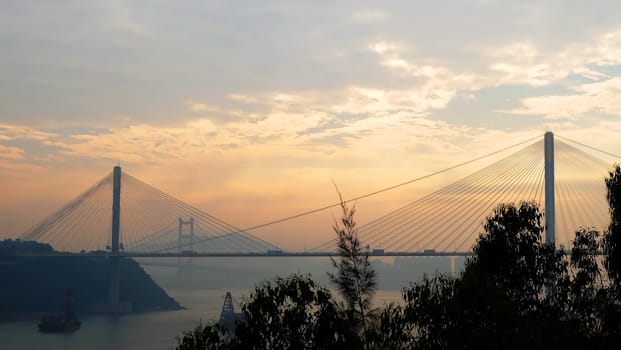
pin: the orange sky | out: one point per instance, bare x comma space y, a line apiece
249, 113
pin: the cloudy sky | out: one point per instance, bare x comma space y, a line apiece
249, 110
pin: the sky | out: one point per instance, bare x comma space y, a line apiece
251, 110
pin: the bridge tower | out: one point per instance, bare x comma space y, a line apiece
114, 246
549, 187
183, 243
190, 236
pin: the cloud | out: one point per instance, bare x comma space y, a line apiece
525, 63
269, 102
205, 52
382, 47
598, 97
201, 107
283, 162
583, 68
119, 17
11, 153
368, 16
520, 62
13, 132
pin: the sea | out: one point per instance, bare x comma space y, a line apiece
153, 330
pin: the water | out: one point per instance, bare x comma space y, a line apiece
156, 330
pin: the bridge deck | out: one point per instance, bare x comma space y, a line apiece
243, 255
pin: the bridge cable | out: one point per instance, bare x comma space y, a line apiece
288, 218
589, 147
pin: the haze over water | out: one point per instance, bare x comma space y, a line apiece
155, 330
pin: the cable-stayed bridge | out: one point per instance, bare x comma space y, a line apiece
121, 216
451, 218
149, 221
445, 222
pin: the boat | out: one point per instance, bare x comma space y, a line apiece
58, 324
66, 322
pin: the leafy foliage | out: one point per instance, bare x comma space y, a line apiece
502, 298
391, 330
354, 278
291, 313
212, 337
286, 313
611, 314
512, 255
587, 283
429, 308
612, 238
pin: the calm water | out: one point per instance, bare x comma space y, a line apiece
145, 331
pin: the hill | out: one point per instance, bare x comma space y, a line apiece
33, 285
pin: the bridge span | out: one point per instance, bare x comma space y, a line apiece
565, 180
244, 255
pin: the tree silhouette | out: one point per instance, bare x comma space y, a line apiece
354, 278
611, 313
506, 296
391, 329
211, 337
510, 252
290, 313
285, 313
430, 312
586, 291
612, 238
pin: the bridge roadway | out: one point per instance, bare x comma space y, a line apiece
274, 254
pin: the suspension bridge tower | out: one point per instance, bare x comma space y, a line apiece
183, 240
548, 141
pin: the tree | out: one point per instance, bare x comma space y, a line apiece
511, 252
354, 278
211, 337
612, 238
392, 329
291, 313
285, 313
587, 291
429, 311
505, 298
611, 315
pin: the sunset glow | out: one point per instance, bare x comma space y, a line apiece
251, 112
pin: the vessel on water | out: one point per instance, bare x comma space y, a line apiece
66, 322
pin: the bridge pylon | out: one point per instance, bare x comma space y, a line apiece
114, 304
185, 246
190, 235
550, 215
114, 246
